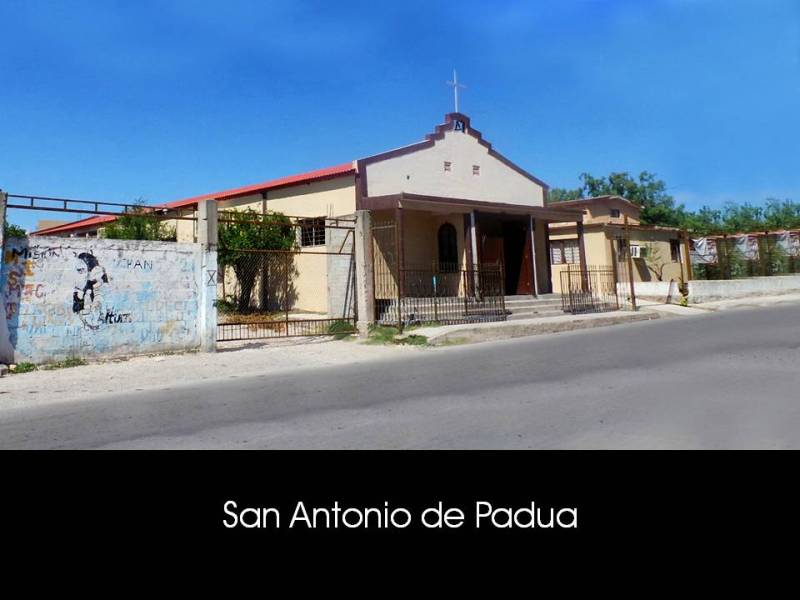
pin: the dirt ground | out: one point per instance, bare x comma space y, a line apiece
143, 372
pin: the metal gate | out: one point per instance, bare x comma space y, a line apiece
301, 283
444, 293
589, 290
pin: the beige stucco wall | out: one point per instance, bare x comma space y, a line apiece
599, 243
330, 197
658, 242
597, 248
186, 231
422, 172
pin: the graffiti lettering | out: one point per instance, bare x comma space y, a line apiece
134, 263
114, 317
35, 290
13, 255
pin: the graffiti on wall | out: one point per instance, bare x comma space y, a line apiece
98, 296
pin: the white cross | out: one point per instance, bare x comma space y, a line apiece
456, 85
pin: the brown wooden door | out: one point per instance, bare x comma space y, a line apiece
492, 251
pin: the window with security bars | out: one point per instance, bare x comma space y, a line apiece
675, 250
564, 252
312, 232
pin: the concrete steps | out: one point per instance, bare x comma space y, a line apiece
517, 307
528, 307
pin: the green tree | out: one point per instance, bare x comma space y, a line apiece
139, 223
240, 232
703, 222
563, 194
781, 214
649, 192
10, 230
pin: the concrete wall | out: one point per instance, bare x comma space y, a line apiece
422, 172
657, 291
710, 291
145, 297
340, 272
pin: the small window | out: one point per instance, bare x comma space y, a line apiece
615, 213
312, 232
476, 169
564, 252
448, 166
675, 250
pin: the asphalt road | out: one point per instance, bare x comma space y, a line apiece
725, 380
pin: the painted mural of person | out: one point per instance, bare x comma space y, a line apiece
85, 299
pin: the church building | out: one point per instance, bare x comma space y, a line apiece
455, 203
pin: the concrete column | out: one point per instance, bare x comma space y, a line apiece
365, 283
534, 274
207, 238
3, 202
6, 350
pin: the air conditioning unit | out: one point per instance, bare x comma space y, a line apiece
636, 251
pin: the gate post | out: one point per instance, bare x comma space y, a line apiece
6, 350
3, 202
207, 240
365, 283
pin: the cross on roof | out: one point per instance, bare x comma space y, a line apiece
455, 85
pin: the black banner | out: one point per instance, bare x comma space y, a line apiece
519, 503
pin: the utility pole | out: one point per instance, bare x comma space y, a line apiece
630, 261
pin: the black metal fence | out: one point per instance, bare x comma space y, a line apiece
589, 291
437, 292
441, 295
279, 327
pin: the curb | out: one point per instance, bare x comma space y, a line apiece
477, 335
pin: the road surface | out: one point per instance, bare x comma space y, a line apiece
725, 380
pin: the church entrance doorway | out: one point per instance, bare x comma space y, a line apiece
505, 239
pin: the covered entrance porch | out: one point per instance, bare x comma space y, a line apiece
466, 255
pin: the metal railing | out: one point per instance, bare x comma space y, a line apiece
589, 291
441, 294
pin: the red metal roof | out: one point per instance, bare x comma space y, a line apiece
317, 175
87, 222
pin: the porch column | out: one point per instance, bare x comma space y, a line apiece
532, 235
401, 251
548, 254
473, 238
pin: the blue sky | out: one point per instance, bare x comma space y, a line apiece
164, 100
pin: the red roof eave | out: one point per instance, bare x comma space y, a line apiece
319, 174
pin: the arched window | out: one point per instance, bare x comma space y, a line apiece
448, 248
